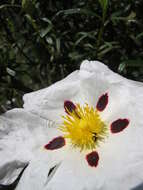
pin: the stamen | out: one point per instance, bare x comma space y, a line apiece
83, 127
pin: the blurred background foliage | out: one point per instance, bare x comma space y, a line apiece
42, 41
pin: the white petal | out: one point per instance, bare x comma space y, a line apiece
97, 79
121, 156
86, 85
120, 166
80, 87
22, 134
49, 102
36, 176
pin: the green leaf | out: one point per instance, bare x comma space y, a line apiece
104, 4
68, 11
3, 6
122, 67
75, 55
134, 62
82, 35
89, 46
46, 20
10, 72
116, 17
49, 40
58, 45
24, 3
78, 11
31, 20
44, 31
81, 38
9, 5
139, 36
107, 47
28, 6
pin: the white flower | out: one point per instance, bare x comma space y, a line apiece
108, 155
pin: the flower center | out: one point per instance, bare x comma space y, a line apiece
83, 126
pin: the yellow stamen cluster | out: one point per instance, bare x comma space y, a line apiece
84, 127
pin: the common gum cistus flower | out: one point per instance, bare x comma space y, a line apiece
84, 132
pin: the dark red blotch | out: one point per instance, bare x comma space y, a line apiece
119, 125
69, 106
92, 159
102, 102
56, 143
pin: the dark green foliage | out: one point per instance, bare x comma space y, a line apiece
43, 41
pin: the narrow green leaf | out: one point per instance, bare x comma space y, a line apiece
49, 40
3, 6
9, 5
78, 11
104, 4
139, 36
121, 67
44, 31
23, 3
46, 20
10, 72
80, 39
58, 45
134, 63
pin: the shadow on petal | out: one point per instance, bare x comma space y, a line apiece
138, 187
13, 185
52, 172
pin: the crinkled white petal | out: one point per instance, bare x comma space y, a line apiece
86, 85
120, 167
10, 170
97, 79
37, 175
120, 157
49, 102
22, 135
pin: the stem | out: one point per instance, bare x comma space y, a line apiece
100, 34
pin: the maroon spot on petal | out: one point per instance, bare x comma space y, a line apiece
56, 143
69, 106
102, 102
119, 125
92, 159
